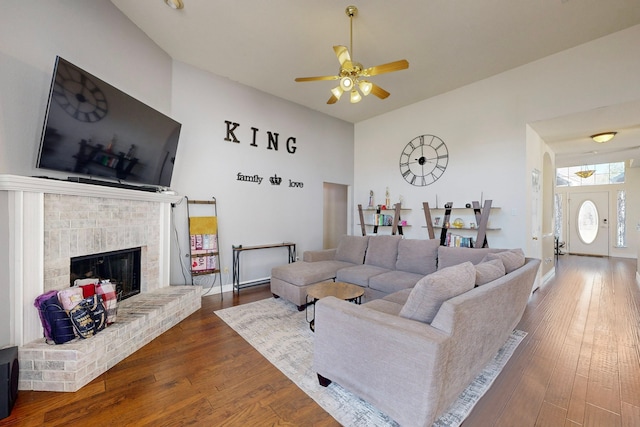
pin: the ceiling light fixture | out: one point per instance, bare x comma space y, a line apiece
174, 4
337, 92
355, 96
352, 74
585, 173
603, 137
365, 87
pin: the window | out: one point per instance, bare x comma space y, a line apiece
621, 225
588, 221
603, 174
558, 215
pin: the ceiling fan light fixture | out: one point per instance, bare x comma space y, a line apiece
603, 137
346, 84
351, 74
365, 87
355, 96
337, 92
174, 4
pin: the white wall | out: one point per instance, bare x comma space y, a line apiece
249, 213
484, 126
98, 38
95, 36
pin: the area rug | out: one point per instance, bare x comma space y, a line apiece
281, 333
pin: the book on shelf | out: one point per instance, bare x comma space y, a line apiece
203, 263
382, 219
204, 243
455, 240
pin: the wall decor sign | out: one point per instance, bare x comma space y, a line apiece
249, 178
274, 180
272, 138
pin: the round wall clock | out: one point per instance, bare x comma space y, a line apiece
78, 95
423, 160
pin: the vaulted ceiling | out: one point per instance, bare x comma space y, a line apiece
448, 43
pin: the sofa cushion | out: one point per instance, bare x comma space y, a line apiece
393, 281
305, 273
418, 256
431, 291
512, 259
448, 256
384, 306
399, 297
352, 249
359, 274
489, 271
382, 251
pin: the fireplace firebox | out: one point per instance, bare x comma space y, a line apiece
121, 268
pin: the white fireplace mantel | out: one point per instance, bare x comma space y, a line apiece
22, 256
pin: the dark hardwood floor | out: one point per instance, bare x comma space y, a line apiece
578, 366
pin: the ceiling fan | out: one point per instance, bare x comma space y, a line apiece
352, 75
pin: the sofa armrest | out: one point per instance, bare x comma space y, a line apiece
394, 363
321, 255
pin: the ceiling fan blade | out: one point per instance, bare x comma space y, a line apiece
342, 53
378, 91
312, 79
332, 100
386, 68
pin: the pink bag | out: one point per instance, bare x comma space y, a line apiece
70, 297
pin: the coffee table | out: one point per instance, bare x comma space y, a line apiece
344, 291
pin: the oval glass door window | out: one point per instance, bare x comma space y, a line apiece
588, 222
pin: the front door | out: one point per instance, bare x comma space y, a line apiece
589, 223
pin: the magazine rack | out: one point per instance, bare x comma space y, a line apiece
204, 255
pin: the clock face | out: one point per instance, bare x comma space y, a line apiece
423, 160
78, 95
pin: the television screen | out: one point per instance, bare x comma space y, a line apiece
93, 129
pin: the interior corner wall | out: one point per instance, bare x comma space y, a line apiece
6, 306
97, 37
93, 35
484, 127
234, 163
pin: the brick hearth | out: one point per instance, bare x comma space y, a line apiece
141, 318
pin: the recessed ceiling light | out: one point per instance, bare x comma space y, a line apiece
603, 137
174, 4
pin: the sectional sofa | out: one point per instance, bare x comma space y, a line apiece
381, 264
411, 353
433, 318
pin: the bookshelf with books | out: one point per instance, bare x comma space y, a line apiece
382, 217
471, 219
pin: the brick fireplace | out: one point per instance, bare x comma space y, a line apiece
47, 222
43, 224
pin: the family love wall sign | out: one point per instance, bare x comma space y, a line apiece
272, 144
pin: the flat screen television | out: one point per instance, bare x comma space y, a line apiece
93, 129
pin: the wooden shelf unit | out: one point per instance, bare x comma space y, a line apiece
396, 226
481, 214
